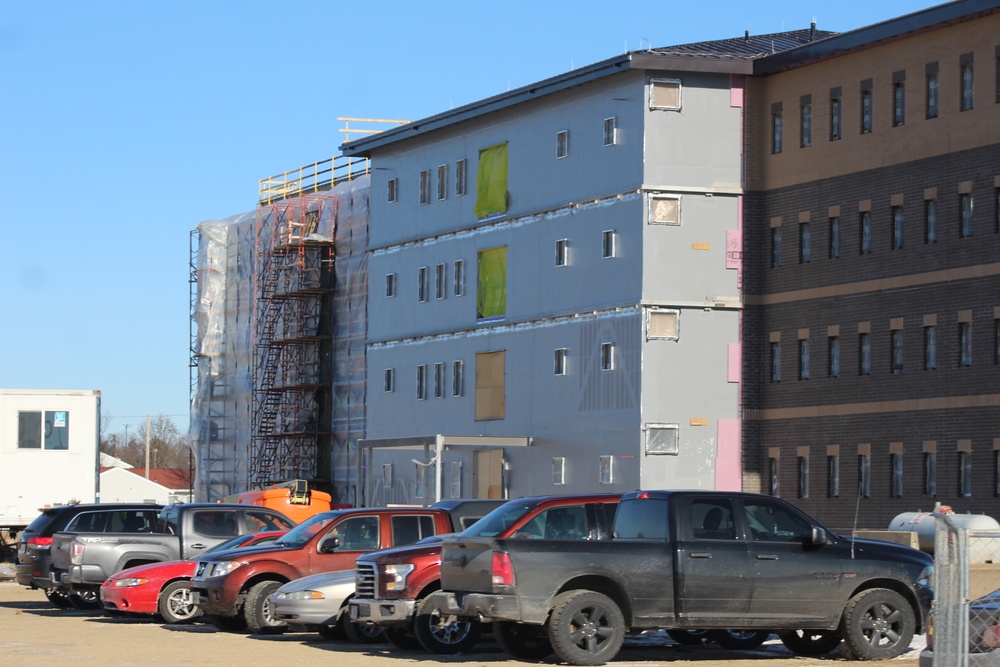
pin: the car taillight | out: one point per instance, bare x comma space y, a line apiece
76, 553
503, 572
929, 632
40, 542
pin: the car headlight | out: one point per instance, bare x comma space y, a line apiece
224, 567
301, 595
395, 576
126, 582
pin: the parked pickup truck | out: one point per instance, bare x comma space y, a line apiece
393, 586
81, 561
691, 560
233, 588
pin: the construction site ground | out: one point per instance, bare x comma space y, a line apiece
34, 633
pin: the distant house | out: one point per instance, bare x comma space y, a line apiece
164, 485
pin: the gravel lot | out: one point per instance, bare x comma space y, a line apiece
34, 633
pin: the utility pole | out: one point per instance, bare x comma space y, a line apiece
147, 446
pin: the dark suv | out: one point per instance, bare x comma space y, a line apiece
35, 541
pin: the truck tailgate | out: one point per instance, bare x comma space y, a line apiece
466, 564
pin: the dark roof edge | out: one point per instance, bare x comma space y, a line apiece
860, 37
635, 60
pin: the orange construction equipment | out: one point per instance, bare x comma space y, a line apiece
294, 499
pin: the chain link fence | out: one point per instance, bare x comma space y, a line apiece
966, 609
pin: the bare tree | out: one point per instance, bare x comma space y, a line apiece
168, 447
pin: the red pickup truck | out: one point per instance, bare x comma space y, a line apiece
233, 588
394, 585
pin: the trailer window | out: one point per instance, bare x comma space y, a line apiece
48, 429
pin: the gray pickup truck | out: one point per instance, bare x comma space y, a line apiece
691, 560
81, 561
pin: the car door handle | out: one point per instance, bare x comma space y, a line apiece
700, 554
767, 556
198, 545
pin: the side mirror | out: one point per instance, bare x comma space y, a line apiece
819, 537
330, 544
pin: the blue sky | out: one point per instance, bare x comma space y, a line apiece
123, 124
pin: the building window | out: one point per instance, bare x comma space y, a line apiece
866, 111
608, 244
897, 351
996, 341
386, 475
390, 285
419, 479
389, 380
606, 470
442, 182
833, 476
47, 429
439, 380
775, 247
996, 210
491, 182
805, 126
930, 348
491, 295
833, 354
663, 439
775, 361
610, 131
896, 463
836, 116
774, 483
458, 378
664, 210
864, 354
864, 475
421, 382
996, 472
458, 277
897, 227
803, 476
460, 178
776, 129
559, 470
422, 284
607, 356
967, 81
930, 221
898, 103
562, 144
930, 474
440, 281
392, 190
805, 242
932, 91
562, 252
456, 479
662, 323
803, 359
834, 238
965, 343
425, 186
965, 474
559, 361
865, 234
966, 205
491, 385
665, 94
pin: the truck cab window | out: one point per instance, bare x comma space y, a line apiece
775, 523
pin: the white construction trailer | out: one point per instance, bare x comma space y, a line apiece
49, 452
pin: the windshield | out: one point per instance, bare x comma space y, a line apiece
498, 520
229, 544
305, 531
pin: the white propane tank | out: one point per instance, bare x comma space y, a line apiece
923, 524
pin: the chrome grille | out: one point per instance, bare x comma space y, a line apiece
365, 581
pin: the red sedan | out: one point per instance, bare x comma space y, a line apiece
162, 588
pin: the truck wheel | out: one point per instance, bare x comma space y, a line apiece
689, 637
443, 633
878, 624
586, 628
739, 640
401, 639
86, 599
521, 641
810, 642
227, 623
361, 633
58, 598
175, 603
258, 610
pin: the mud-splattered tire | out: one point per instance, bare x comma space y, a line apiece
739, 640
878, 624
810, 642
176, 605
444, 634
586, 628
522, 641
259, 611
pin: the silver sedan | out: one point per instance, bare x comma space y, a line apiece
319, 603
